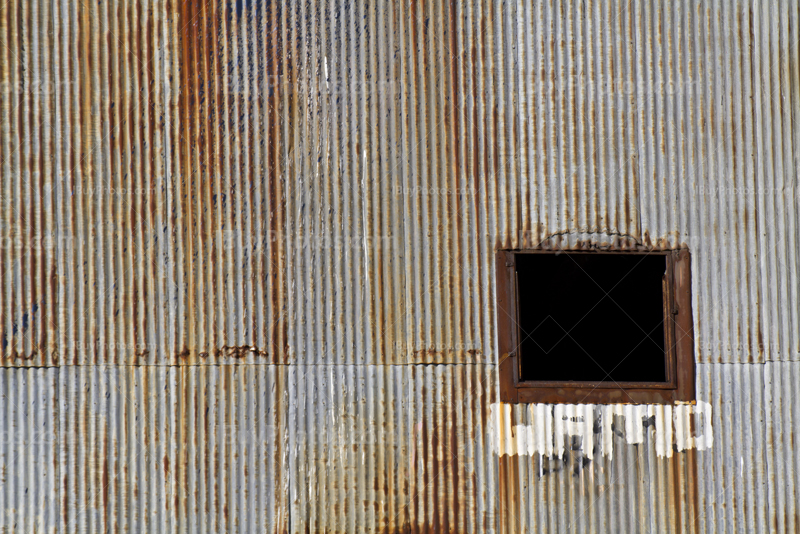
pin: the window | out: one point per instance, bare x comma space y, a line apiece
595, 327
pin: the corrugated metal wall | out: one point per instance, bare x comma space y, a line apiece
247, 257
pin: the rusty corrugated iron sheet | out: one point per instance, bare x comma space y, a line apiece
709, 467
410, 444
266, 448
601, 468
656, 125
256, 240
661, 124
210, 192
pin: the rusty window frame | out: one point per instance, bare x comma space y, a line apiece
679, 347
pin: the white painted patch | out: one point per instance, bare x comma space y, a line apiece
549, 430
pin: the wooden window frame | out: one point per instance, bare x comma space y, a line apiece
679, 386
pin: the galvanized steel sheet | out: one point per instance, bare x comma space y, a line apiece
167, 449
30, 465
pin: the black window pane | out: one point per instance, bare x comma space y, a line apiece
591, 317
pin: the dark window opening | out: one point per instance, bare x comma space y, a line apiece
601, 313
595, 326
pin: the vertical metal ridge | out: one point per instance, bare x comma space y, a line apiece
103, 223
6, 148
26, 223
113, 125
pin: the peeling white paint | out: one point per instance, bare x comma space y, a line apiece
549, 430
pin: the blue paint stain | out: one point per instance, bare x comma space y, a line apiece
15, 328
241, 5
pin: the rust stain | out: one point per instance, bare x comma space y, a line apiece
215, 98
105, 487
454, 105
233, 352
65, 508
433, 355
509, 492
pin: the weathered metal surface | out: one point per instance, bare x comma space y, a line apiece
657, 125
727, 464
313, 192
278, 183
410, 445
167, 449
781, 406
28, 299
29, 462
660, 124
734, 476
600, 468
243, 448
